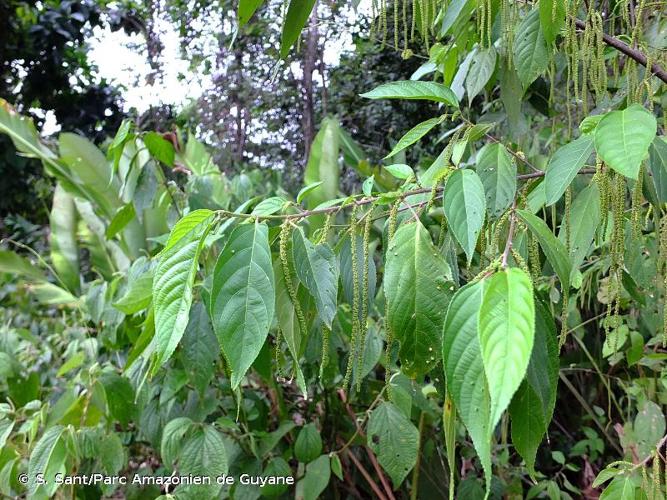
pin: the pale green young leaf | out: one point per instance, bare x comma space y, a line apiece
497, 172
121, 218
564, 165
414, 90
173, 281
13, 263
317, 268
308, 444
554, 249
465, 208
531, 56
552, 20
243, 297
395, 441
481, 69
464, 370
584, 220
367, 186
64, 248
297, 15
417, 285
400, 170
506, 329
622, 138
269, 206
306, 190
533, 404
413, 135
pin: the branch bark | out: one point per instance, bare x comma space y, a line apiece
635, 54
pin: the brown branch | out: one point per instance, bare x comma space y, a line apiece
635, 54
376, 489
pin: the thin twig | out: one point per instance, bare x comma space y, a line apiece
635, 54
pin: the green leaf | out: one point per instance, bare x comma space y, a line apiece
119, 396
658, 166
367, 186
336, 466
400, 170
531, 56
13, 263
465, 208
317, 268
590, 123
269, 206
648, 427
50, 294
277, 467
481, 68
203, 454
308, 444
564, 165
622, 138
173, 281
533, 404
506, 333
64, 248
297, 15
464, 370
318, 473
412, 136
554, 250
6, 427
246, 9
394, 440
457, 10
47, 458
584, 220
160, 148
306, 190
200, 348
323, 167
497, 172
111, 454
243, 297
428, 91
139, 291
172, 439
552, 22
121, 219
417, 285
623, 487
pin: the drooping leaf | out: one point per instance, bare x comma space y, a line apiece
465, 208
552, 20
506, 334
243, 297
173, 281
64, 248
199, 348
497, 172
308, 444
317, 268
658, 166
160, 148
119, 397
457, 11
417, 285
246, 9
554, 250
414, 134
564, 165
316, 479
297, 15
622, 138
464, 369
531, 56
533, 404
414, 90
584, 220
395, 441
47, 458
481, 68
13, 263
